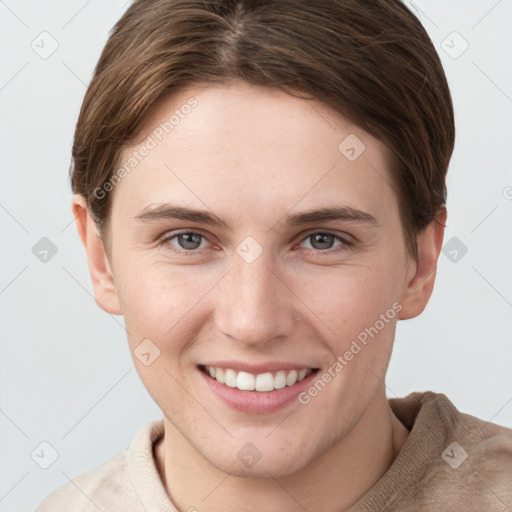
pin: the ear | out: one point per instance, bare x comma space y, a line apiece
423, 272
99, 266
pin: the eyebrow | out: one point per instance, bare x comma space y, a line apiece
334, 213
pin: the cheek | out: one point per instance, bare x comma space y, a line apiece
351, 298
160, 319
160, 301
149, 302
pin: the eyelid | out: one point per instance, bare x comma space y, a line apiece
167, 236
345, 237
345, 244
347, 241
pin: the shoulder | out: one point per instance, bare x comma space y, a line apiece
128, 481
97, 489
479, 460
466, 461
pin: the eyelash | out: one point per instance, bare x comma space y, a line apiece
345, 244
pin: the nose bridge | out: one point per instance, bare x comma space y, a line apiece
253, 306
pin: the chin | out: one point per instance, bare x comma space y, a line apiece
246, 460
275, 468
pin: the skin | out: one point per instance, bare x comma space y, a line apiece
252, 155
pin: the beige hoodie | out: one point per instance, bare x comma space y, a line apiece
450, 462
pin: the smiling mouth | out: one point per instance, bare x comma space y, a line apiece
262, 382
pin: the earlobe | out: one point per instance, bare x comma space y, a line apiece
99, 266
421, 284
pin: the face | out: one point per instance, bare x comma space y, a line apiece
257, 238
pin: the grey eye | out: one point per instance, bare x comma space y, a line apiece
322, 241
188, 241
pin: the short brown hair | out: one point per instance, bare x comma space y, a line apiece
371, 60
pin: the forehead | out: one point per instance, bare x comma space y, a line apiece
242, 142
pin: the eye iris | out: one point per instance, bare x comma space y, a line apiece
321, 237
193, 240
189, 240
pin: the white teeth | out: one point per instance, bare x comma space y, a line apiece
265, 382
220, 375
230, 377
262, 382
280, 380
245, 381
291, 378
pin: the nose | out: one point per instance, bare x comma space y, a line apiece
254, 306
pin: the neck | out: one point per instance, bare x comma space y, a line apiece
333, 481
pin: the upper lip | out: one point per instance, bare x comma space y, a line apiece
256, 369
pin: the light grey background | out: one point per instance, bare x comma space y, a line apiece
66, 373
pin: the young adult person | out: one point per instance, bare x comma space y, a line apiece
260, 189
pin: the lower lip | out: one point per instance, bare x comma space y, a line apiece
256, 402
